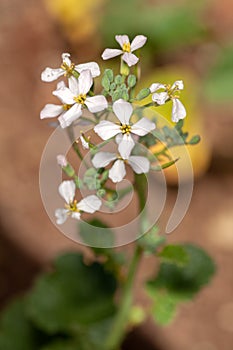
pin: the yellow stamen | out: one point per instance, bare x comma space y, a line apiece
66, 107
68, 69
80, 99
125, 129
126, 47
72, 207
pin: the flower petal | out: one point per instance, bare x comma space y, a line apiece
61, 215
67, 118
126, 145
178, 110
96, 103
73, 85
138, 42
110, 53
117, 172
106, 129
160, 98
61, 160
85, 81
67, 190
50, 74
139, 164
51, 111
156, 86
89, 204
130, 58
76, 215
142, 127
84, 143
102, 159
92, 66
178, 84
65, 95
66, 59
123, 110
122, 39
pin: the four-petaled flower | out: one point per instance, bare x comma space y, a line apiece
117, 172
106, 129
67, 68
76, 97
171, 93
127, 49
89, 204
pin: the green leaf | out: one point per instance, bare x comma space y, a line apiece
95, 233
16, 331
116, 95
73, 296
105, 83
91, 179
150, 241
143, 94
118, 79
109, 74
194, 140
175, 283
175, 254
132, 80
64, 345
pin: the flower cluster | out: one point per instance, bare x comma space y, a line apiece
126, 130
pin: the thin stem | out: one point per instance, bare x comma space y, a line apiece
75, 146
119, 327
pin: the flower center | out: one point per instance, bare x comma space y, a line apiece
80, 99
72, 207
126, 47
68, 69
125, 129
172, 93
66, 107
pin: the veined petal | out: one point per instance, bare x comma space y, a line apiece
156, 86
85, 81
178, 110
106, 129
130, 58
61, 215
61, 85
66, 59
89, 204
73, 85
117, 172
96, 103
76, 215
119, 138
50, 74
138, 42
125, 146
160, 98
139, 164
67, 118
102, 159
65, 95
123, 110
142, 127
178, 84
51, 111
67, 190
110, 53
92, 66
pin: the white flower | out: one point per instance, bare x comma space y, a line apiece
106, 129
66, 69
73, 208
117, 172
84, 142
62, 161
127, 49
170, 93
75, 97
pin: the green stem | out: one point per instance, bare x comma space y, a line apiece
75, 146
119, 327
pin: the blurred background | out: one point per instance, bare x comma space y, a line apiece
189, 40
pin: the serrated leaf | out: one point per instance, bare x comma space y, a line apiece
179, 283
72, 296
96, 234
175, 254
